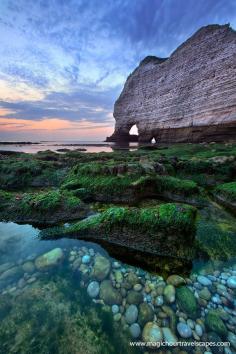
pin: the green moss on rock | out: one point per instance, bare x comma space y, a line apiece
186, 301
227, 190
147, 220
214, 323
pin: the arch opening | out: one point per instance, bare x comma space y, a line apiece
153, 141
133, 130
133, 133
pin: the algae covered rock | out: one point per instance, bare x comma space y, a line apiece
134, 297
101, 268
186, 301
49, 259
167, 229
146, 313
169, 293
214, 323
175, 280
131, 280
109, 294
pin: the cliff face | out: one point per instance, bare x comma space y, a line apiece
188, 97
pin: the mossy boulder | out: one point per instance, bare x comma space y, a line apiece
225, 194
228, 190
215, 324
45, 207
49, 259
186, 301
109, 294
101, 268
167, 229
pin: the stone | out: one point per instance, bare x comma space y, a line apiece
117, 317
49, 259
28, 267
12, 273
152, 332
101, 268
169, 336
115, 309
215, 324
205, 294
31, 280
135, 330
159, 300
5, 266
231, 282
21, 283
204, 280
146, 313
232, 339
115, 265
186, 301
175, 280
131, 314
109, 294
215, 338
134, 297
138, 287
169, 293
190, 323
184, 330
93, 289
199, 330
172, 316
187, 97
118, 276
131, 280
86, 259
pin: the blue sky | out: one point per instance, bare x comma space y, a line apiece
64, 62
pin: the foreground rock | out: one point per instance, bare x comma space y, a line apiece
188, 97
225, 194
166, 230
48, 207
49, 259
109, 294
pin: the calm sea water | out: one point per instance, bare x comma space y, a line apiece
90, 146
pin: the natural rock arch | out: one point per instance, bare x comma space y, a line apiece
188, 97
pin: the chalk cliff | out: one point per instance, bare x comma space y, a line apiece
188, 97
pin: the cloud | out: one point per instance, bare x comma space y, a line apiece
68, 59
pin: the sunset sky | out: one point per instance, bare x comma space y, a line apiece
64, 62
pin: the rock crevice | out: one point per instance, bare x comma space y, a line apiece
188, 97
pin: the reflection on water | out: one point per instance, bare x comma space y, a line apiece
70, 296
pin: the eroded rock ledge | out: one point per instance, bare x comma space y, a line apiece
188, 97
